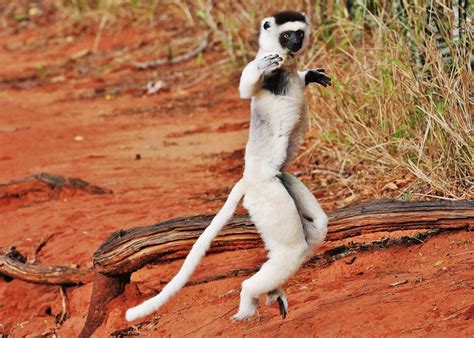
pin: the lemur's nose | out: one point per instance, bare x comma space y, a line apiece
295, 42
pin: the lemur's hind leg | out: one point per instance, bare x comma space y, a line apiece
272, 274
313, 217
278, 295
275, 215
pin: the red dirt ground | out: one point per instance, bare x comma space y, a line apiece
83, 115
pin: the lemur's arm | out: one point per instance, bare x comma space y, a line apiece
315, 75
252, 75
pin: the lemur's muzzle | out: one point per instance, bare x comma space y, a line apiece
295, 42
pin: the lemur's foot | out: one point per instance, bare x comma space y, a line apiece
244, 314
318, 76
247, 308
278, 295
270, 62
283, 304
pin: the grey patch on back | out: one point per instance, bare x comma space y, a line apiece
260, 132
304, 218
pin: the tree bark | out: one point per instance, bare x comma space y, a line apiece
14, 265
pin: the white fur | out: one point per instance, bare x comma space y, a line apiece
286, 214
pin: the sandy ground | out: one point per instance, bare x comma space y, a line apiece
175, 153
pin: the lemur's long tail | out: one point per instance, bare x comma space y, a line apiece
192, 260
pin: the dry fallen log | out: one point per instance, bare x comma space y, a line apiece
14, 265
126, 251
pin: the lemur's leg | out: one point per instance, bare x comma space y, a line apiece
315, 75
251, 77
271, 275
275, 215
278, 295
313, 217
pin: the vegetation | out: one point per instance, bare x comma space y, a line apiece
402, 96
400, 109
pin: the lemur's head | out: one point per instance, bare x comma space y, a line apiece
284, 32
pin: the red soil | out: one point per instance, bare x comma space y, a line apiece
190, 154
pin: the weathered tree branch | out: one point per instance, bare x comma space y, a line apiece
127, 251
14, 265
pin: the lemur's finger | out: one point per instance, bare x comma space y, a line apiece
271, 57
325, 83
325, 79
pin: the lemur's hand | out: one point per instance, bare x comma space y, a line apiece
317, 75
270, 62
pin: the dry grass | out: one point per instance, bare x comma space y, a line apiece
388, 118
399, 118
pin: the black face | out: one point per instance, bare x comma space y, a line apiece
292, 40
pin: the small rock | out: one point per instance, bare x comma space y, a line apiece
469, 313
399, 282
78, 138
418, 280
350, 260
153, 87
138, 157
59, 78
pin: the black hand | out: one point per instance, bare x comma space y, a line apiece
318, 76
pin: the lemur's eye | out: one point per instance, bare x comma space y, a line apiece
286, 36
301, 34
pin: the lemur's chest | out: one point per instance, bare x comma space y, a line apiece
280, 82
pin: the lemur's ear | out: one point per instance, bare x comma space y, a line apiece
267, 23
307, 18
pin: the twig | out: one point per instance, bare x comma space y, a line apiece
326, 171
180, 58
437, 197
462, 253
64, 313
41, 246
399, 282
103, 21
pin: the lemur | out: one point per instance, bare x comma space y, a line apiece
286, 214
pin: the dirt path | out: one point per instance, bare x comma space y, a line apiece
172, 154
